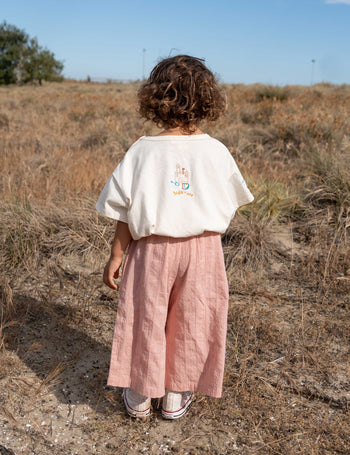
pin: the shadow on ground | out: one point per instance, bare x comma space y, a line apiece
71, 363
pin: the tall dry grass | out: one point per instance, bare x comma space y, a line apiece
60, 142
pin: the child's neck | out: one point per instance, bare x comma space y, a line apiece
179, 131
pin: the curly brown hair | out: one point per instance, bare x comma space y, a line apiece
180, 92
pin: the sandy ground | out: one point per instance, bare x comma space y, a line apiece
286, 387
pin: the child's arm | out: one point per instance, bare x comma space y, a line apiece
121, 240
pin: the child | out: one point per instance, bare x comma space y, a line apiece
173, 195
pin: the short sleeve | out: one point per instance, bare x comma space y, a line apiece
240, 194
114, 201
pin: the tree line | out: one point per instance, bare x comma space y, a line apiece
23, 60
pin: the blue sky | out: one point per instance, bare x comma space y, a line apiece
268, 41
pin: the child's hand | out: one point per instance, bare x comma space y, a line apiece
111, 271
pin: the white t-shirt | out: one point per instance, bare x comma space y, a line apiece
175, 186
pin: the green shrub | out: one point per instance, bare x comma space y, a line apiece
272, 92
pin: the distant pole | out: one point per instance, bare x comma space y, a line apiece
312, 70
143, 64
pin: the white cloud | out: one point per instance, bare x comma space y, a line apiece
346, 2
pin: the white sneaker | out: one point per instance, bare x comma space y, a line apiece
136, 405
175, 404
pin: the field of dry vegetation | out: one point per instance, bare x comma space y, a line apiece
287, 377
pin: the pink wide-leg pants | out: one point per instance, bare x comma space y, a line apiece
170, 329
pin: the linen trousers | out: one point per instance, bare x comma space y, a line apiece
171, 322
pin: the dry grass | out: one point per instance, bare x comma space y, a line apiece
286, 388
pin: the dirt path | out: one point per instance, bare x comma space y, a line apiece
286, 386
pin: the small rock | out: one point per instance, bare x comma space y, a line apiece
5, 451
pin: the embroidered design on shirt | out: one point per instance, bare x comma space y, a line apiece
181, 181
